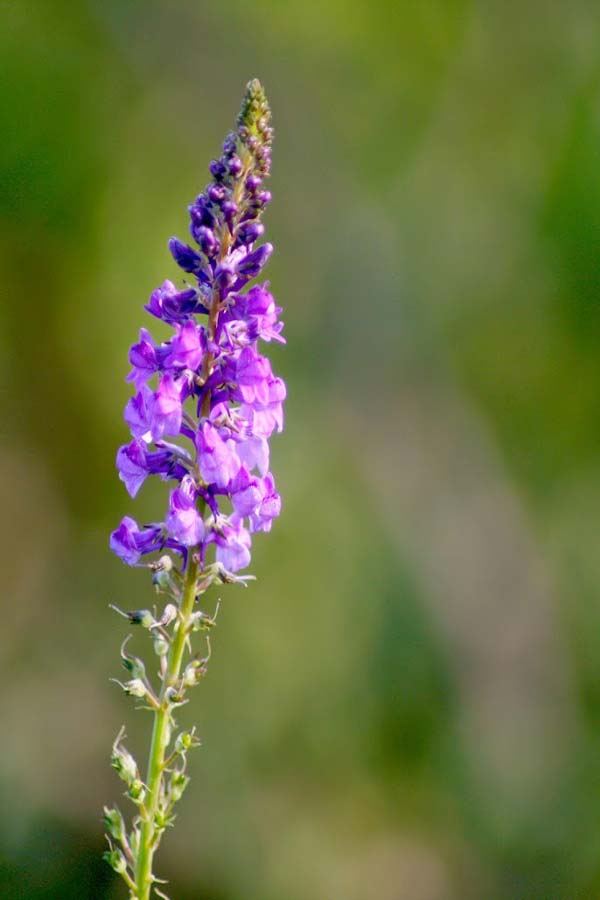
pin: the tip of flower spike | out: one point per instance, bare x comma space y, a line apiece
255, 107
254, 126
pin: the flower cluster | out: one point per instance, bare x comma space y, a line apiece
206, 400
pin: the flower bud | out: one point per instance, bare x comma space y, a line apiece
216, 193
116, 860
206, 240
123, 762
185, 256
161, 574
174, 696
133, 664
252, 264
134, 840
194, 672
185, 741
202, 622
177, 785
135, 688
217, 170
113, 822
224, 278
168, 616
250, 232
229, 144
235, 166
200, 214
229, 211
161, 645
162, 819
137, 791
253, 182
141, 617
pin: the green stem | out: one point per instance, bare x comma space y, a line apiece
160, 736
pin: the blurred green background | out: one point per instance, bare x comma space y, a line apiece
406, 705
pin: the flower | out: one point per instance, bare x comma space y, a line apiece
233, 546
130, 542
166, 408
207, 388
184, 522
171, 305
131, 463
185, 349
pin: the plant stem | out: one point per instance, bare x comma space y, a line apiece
160, 736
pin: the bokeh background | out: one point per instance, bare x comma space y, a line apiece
406, 705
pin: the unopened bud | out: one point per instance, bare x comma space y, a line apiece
169, 614
253, 182
113, 822
254, 262
177, 785
134, 840
229, 208
162, 819
217, 169
174, 696
135, 688
250, 232
186, 740
137, 791
216, 193
201, 621
235, 166
206, 240
194, 671
161, 644
133, 664
123, 762
116, 860
141, 617
161, 573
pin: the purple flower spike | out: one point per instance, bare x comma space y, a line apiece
208, 389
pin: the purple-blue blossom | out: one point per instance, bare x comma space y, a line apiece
206, 401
